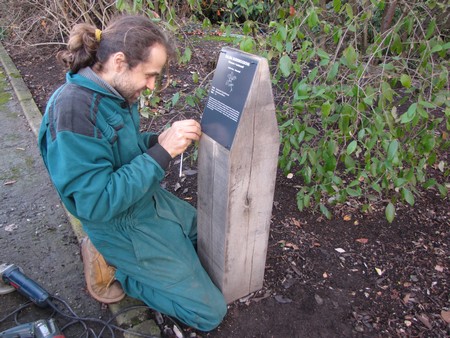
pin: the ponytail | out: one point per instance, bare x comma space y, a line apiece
81, 49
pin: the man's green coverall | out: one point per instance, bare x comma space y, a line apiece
108, 175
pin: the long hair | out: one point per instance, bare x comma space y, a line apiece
133, 35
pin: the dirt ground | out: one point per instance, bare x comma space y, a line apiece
353, 276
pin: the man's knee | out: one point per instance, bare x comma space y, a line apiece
210, 316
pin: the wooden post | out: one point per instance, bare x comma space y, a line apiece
236, 176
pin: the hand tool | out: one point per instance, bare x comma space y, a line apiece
4, 288
13, 276
39, 329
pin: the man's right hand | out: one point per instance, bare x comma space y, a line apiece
179, 136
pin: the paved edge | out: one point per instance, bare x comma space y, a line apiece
26, 101
31, 112
34, 118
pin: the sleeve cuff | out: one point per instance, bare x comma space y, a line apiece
152, 140
160, 155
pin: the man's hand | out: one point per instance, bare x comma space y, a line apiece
179, 136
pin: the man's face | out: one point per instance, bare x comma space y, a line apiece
131, 82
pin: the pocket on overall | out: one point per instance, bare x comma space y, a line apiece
170, 207
165, 256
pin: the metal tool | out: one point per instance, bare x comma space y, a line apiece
13, 276
181, 166
4, 288
39, 329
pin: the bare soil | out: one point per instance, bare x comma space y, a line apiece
353, 276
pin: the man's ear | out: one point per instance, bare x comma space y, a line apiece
119, 62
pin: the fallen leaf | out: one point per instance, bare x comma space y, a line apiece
189, 172
319, 300
282, 300
362, 240
347, 218
445, 316
291, 245
439, 268
11, 227
408, 323
356, 222
296, 270
425, 320
296, 223
406, 298
379, 271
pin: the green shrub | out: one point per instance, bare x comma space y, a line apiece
363, 108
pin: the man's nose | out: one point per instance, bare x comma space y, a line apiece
151, 84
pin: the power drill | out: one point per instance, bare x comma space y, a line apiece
14, 276
39, 329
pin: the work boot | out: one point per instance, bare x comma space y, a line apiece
100, 279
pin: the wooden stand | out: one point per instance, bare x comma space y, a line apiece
235, 193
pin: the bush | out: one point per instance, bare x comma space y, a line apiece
363, 101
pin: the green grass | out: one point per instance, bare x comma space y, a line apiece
29, 162
12, 175
227, 39
4, 97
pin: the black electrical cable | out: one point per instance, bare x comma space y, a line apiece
106, 325
15, 312
73, 316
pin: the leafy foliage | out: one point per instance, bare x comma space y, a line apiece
364, 114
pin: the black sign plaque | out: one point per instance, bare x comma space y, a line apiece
230, 87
